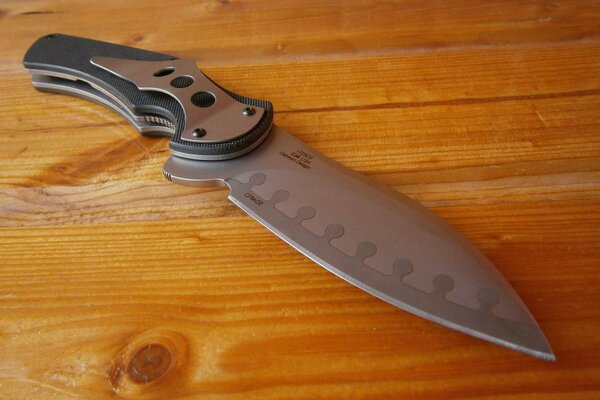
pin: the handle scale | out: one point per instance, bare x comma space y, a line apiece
68, 61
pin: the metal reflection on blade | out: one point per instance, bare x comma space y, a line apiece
371, 236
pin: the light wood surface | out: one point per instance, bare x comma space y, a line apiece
115, 283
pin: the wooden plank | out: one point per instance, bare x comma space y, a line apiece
395, 85
426, 152
242, 33
246, 316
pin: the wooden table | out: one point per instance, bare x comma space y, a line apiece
486, 112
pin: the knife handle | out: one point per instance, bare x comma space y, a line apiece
206, 121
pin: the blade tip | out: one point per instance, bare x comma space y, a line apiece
550, 356
545, 354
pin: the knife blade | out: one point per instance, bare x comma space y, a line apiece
373, 237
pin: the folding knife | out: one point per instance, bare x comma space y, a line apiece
365, 233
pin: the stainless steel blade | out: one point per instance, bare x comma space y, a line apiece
371, 236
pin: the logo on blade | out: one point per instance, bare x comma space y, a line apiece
300, 157
253, 199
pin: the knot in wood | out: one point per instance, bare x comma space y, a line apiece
149, 363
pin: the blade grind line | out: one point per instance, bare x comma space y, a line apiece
434, 306
373, 261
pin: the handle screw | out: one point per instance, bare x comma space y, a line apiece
249, 111
199, 132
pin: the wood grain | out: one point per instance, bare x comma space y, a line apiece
116, 283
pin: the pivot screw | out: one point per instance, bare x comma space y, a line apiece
249, 111
199, 132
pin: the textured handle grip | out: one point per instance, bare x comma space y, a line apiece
71, 56
68, 56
